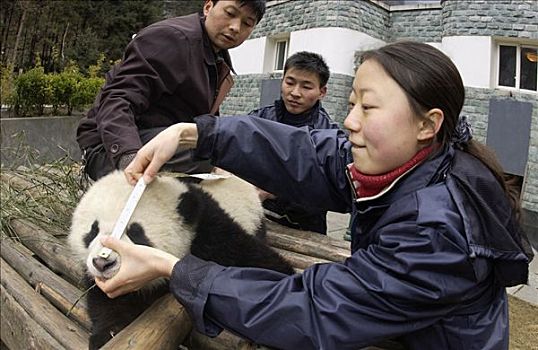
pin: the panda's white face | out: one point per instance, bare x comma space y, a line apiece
155, 221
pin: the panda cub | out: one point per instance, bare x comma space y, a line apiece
218, 220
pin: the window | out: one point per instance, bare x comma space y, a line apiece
276, 52
518, 66
281, 53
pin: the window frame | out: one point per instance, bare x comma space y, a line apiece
517, 80
286, 42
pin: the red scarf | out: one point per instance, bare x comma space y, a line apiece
370, 185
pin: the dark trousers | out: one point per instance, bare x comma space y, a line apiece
98, 163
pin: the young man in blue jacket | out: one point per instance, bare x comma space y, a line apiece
303, 86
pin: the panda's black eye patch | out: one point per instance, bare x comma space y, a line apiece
90, 236
136, 233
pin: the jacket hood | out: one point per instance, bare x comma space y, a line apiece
491, 227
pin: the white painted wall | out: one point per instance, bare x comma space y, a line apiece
473, 57
248, 57
336, 45
471, 54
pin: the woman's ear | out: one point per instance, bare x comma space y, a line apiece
430, 125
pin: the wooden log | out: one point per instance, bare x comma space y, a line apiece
299, 261
303, 246
307, 235
19, 330
165, 325
56, 290
59, 292
50, 249
74, 309
224, 341
66, 332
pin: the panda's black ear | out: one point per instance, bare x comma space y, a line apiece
90, 236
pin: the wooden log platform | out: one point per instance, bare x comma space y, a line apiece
42, 295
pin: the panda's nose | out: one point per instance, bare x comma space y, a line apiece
102, 264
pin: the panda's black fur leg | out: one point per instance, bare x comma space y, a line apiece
110, 316
220, 239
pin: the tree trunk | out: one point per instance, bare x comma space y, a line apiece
5, 31
62, 46
17, 39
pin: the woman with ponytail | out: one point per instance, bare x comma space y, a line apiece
435, 232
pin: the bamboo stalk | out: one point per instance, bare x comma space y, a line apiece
65, 331
58, 291
19, 330
165, 325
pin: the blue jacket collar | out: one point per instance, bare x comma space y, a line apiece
430, 171
306, 118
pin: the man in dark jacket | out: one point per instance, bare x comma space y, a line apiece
303, 86
171, 71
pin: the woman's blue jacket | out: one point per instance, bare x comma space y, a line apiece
429, 263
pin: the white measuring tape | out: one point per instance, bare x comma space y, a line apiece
125, 215
211, 176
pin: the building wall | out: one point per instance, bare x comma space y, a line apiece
503, 18
245, 94
416, 23
289, 16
